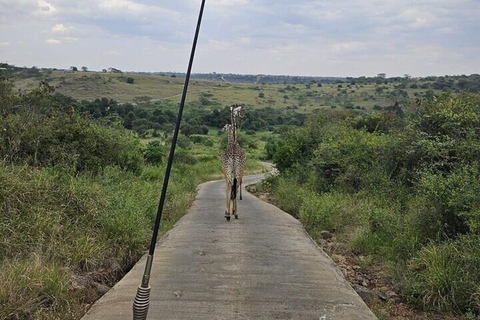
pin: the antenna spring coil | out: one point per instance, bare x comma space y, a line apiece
141, 303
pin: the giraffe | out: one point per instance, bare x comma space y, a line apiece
233, 164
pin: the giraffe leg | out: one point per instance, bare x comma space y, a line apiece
227, 203
235, 212
240, 189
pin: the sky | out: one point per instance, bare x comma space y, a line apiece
286, 37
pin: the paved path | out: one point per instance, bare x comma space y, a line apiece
262, 266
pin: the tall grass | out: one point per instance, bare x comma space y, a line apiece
56, 227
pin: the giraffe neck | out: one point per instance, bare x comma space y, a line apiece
234, 124
230, 136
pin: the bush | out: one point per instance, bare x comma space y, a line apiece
183, 157
322, 212
69, 140
184, 142
289, 195
154, 153
403, 187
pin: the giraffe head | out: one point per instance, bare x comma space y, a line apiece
236, 115
236, 110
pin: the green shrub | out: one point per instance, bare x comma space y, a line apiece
329, 211
289, 195
155, 153
184, 157
69, 140
454, 200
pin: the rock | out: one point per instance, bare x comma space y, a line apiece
101, 288
361, 280
80, 283
253, 189
381, 296
391, 295
321, 243
364, 293
339, 259
326, 234
356, 267
178, 293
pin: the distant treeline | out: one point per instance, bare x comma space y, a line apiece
462, 83
457, 83
253, 78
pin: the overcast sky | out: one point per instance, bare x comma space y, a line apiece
295, 37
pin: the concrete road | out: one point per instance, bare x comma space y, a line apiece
262, 266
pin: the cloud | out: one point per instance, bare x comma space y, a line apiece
343, 47
70, 39
268, 36
60, 28
46, 7
111, 53
132, 8
53, 41
227, 3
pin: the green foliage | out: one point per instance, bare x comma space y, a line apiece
30, 285
271, 148
454, 200
404, 187
188, 130
56, 226
66, 139
38, 131
183, 157
446, 277
289, 198
184, 142
74, 201
154, 153
326, 212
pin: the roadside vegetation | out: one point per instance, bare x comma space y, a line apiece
400, 189
78, 198
82, 158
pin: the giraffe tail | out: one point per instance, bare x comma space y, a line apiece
233, 193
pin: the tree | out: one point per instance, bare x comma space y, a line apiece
130, 80
73, 68
84, 69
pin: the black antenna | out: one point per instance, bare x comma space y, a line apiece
142, 299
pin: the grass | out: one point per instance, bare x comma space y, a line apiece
57, 228
447, 276
300, 97
406, 196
